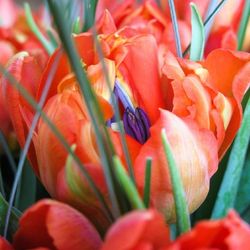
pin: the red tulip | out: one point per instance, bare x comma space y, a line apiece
4, 244
138, 230
230, 233
52, 225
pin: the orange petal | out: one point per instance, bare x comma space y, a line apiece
144, 79
229, 73
27, 72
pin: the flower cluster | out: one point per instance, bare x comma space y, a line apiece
133, 66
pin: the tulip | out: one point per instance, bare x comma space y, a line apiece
230, 233
138, 230
4, 244
147, 18
15, 36
184, 98
54, 225
209, 92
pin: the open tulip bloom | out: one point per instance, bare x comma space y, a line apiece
134, 119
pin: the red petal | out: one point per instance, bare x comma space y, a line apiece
40, 226
136, 229
230, 233
5, 245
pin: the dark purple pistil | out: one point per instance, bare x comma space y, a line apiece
136, 124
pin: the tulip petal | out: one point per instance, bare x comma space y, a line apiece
229, 74
40, 227
195, 153
4, 244
145, 77
228, 233
27, 72
137, 229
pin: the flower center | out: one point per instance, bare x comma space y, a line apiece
135, 121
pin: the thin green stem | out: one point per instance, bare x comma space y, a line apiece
34, 28
175, 28
181, 209
116, 110
207, 21
129, 187
243, 24
91, 102
147, 185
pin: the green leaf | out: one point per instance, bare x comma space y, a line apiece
198, 35
26, 194
14, 217
34, 28
89, 13
146, 194
182, 214
103, 140
230, 184
129, 187
243, 24
243, 198
175, 27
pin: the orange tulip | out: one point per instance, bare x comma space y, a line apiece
184, 99
209, 92
230, 233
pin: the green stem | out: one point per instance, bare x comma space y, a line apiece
34, 28
181, 209
147, 186
128, 185
243, 24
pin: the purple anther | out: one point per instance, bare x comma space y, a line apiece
136, 124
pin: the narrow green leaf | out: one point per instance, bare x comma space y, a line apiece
146, 194
207, 21
115, 107
104, 143
243, 197
182, 214
175, 27
31, 23
128, 185
198, 35
89, 13
14, 217
77, 26
26, 195
243, 24
230, 184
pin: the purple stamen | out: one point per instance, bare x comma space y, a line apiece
137, 124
